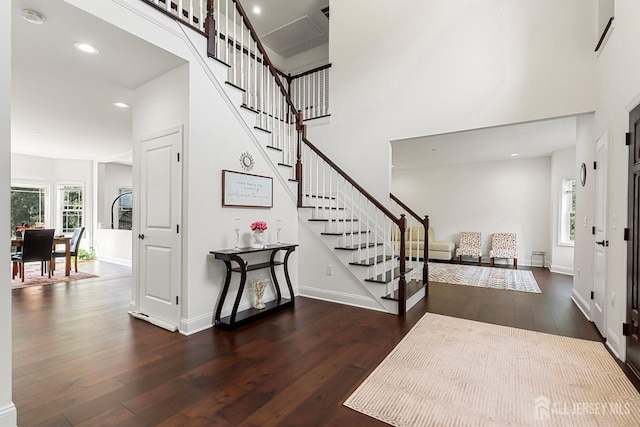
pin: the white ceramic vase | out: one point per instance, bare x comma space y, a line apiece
258, 239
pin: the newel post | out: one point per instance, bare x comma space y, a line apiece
425, 256
210, 29
402, 283
300, 128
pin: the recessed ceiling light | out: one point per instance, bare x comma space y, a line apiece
38, 134
86, 47
32, 16
514, 154
434, 149
121, 105
257, 10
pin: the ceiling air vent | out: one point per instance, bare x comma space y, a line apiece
325, 11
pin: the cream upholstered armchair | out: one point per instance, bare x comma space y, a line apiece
470, 245
503, 245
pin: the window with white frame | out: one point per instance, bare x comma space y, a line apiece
29, 205
71, 206
567, 212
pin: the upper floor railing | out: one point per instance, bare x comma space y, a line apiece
310, 92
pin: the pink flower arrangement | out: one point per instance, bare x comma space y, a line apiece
259, 225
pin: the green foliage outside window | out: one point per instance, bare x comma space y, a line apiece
27, 207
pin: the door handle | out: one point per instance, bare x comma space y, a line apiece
603, 243
141, 236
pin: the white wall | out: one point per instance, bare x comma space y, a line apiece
563, 164
618, 92
7, 409
423, 68
503, 196
52, 172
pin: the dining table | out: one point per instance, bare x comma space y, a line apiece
57, 240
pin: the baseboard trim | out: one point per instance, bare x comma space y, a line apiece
340, 298
114, 260
613, 342
561, 270
9, 416
582, 304
197, 324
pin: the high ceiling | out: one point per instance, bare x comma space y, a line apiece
62, 99
289, 27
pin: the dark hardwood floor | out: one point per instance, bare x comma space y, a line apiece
79, 359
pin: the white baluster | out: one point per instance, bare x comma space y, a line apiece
201, 16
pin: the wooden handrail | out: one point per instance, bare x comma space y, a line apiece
406, 208
352, 181
604, 34
272, 68
315, 70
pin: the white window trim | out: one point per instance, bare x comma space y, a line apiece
563, 215
48, 205
59, 200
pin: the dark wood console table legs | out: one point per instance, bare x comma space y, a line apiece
236, 319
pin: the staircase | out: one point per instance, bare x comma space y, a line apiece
363, 233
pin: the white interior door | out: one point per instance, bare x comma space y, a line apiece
159, 235
598, 302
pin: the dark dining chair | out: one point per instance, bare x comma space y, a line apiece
36, 247
74, 246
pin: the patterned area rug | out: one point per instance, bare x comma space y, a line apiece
486, 277
456, 372
32, 276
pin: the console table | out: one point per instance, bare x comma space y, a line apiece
236, 319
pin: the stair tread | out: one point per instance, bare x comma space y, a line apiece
285, 165
359, 246
387, 276
271, 147
236, 86
371, 261
332, 220
313, 196
412, 288
323, 207
344, 233
246, 107
267, 131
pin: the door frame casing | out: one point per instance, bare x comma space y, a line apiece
608, 132
134, 304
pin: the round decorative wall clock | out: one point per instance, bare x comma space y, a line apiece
246, 161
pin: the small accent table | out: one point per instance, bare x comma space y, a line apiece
542, 254
236, 319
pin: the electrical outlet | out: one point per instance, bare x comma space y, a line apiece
584, 222
614, 221
329, 270
579, 273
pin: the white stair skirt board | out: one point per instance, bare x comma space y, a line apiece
154, 321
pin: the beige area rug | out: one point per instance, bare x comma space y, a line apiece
32, 276
485, 277
456, 372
